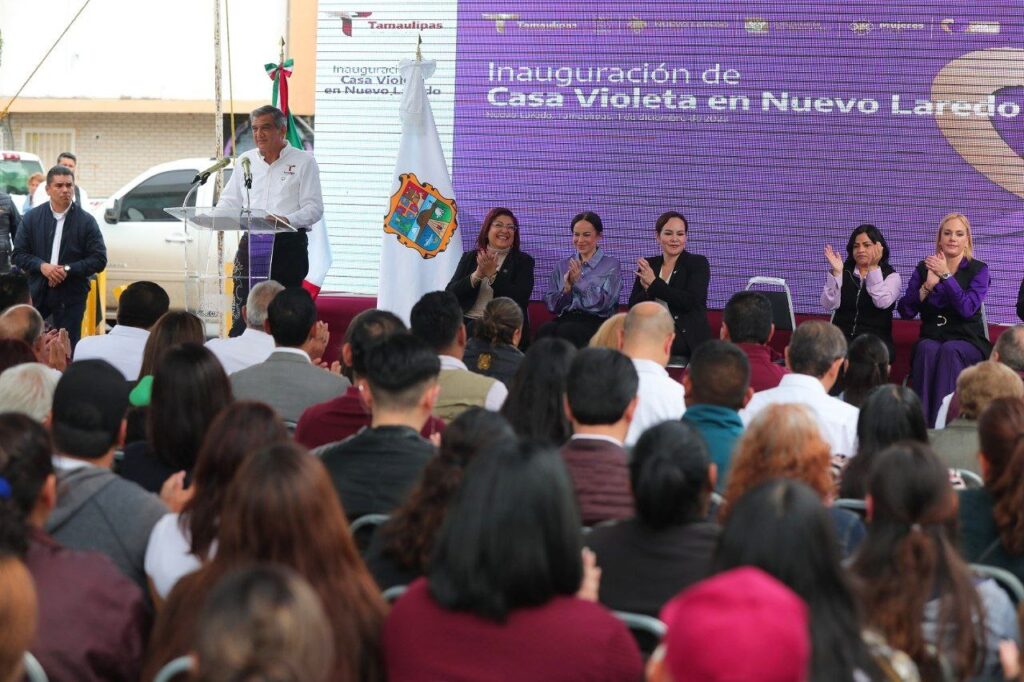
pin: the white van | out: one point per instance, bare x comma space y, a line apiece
146, 243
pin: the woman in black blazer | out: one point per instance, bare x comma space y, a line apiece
680, 280
496, 268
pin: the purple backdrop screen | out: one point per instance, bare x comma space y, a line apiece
774, 127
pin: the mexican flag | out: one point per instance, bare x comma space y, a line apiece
319, 245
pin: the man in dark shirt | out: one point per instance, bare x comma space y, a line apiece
747, 322
375, 469
59, 247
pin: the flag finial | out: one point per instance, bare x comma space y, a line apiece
419, 45
282, 50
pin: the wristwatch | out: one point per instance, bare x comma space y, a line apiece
945, 276
67, 268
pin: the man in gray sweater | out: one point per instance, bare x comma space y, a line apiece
97, 509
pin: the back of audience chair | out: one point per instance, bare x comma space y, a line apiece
782, 301
647, 630
364, 527
859, 507
392, 594
174, 668
972, 481
1006, 580
33, 670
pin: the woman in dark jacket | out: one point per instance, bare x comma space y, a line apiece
497, 268
862, 291
680, 280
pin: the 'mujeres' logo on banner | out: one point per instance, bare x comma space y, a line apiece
421, 217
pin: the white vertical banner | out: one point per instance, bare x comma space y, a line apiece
422, 245
359, 87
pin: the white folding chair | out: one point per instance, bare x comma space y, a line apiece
1006, 580
782, 301
173, 668
392, 594
33, 670
859, 507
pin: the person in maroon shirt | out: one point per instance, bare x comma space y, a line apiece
747, 322
93, 620
600, 402
341, 417
500, 601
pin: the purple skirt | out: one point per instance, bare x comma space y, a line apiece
935, 368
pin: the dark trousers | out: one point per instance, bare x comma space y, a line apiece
64, 315
573, 326
288, 266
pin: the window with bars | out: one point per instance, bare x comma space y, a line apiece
47, 143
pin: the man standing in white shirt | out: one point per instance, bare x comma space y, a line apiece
254, 345
814, 356
140, 306
69, 161
647, 336
285, 184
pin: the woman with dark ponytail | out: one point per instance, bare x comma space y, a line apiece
647, 560
992, 518
867, 366
915, 588
400, 550
494, 349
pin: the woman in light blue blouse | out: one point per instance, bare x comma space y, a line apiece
583, 291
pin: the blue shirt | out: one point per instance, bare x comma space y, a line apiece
721, 428
596, 292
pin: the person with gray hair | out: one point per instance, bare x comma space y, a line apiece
1009, 350
28, 389
814, 356
254, 345
285, 182
22, 322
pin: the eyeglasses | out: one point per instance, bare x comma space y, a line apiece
504, 226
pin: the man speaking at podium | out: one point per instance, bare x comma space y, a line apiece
285, 182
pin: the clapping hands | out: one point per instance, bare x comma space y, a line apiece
936, 263
56, 349
574, 273
486, 264
644, 272
834, 260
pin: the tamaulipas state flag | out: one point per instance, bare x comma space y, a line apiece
422, 245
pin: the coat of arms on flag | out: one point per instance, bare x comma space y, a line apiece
421, 217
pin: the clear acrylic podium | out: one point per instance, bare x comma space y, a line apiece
212, 240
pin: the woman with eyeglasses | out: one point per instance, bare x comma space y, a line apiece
497, 268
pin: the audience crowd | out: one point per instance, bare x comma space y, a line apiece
450, 501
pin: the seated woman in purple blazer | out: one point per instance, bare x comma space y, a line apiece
583, 290
678, 279
947, 290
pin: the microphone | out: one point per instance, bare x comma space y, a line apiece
247, 172
203, 176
